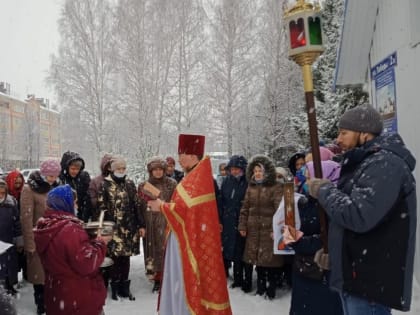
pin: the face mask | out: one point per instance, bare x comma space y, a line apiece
300, 174
119, 175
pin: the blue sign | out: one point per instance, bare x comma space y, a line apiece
385, 92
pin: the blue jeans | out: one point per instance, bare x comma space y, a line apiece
353, 305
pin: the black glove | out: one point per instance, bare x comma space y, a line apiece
314, 185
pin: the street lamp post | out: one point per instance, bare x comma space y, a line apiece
303, 23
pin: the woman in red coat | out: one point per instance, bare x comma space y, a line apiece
71, 259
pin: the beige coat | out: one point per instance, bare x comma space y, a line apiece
32, 207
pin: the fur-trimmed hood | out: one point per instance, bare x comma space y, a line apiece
105, 163
38, 184
292, 161
269, 170
67, 159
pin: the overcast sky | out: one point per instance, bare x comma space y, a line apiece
28, 37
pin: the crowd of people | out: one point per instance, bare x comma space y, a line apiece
197, 232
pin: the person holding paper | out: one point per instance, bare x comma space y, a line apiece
153, 243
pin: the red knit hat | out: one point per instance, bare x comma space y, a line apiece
191, 144
170, 160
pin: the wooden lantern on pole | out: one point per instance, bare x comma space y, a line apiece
303, 23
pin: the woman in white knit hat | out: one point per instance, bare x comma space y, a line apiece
118, 196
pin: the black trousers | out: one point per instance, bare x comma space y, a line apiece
120, 269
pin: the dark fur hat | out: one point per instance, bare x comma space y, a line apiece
156, 162
237, 161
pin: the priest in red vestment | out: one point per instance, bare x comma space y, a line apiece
194, 280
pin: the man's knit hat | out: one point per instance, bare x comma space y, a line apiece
50, 168
238, 161
362, 118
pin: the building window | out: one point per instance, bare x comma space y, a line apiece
44, 115
18, 108
4, 104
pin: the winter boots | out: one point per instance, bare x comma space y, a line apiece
115, 287
261, 285
157, 281
156, 286
39, 298
227, 264
121, 289
271, 290
238, 274
247, 283
124, 291
9, 287
266, 275
40, 309
272, 282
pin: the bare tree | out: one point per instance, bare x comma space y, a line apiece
283, 93
184, 110
82, 71
32, 135
231, 64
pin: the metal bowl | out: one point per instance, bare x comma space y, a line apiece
93, 227
107, 262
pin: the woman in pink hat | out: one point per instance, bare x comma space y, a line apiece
32, 207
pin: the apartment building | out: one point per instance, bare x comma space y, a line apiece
29, 130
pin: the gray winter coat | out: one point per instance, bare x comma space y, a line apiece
372, 228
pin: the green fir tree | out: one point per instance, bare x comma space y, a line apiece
332, 104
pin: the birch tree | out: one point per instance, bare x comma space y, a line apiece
231, 65
81, 72
283, 96
185, 105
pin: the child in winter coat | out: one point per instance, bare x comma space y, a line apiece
11, 233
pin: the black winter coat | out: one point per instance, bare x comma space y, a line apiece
232, 194
177, 175
80, 183
373, 222
10, 232
311, 297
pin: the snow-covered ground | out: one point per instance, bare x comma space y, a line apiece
145, 303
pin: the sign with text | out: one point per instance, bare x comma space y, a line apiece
383, 74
